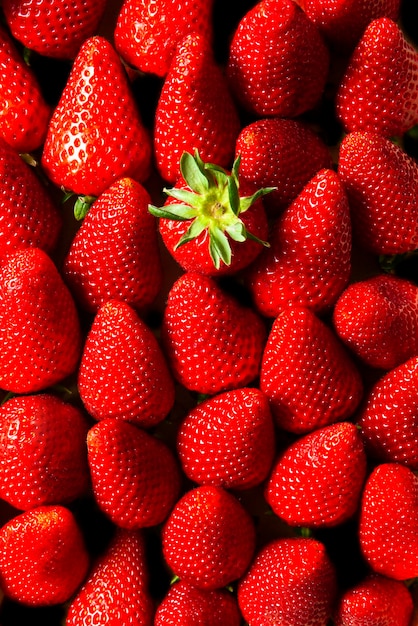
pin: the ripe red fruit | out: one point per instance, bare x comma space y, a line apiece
123, 372
96, 134
195, 110
43, 451
43, 558
39, 326
278, 62
212, 342
209, 538
388, 527
128, 484
309, 259
228, 440
307, 374
290, 581
116, 591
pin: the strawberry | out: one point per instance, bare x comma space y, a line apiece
116, 590
309, 259
228, 440
317, 480
41, 464
377, 318
24, 113
278, 62
280, 153
195, 110
209, 538
307, 374
290, 581
388, 418
28, 215
384, 65
388, 527
114, 254
213, 343
203, 210
148, 33
375, 601
51, 27
43, 558
96, 134
39, 326
128, 485
381, 181
185, 605
123, 372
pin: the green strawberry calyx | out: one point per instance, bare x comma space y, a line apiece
213, 204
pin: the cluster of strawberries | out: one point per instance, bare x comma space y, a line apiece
221, 371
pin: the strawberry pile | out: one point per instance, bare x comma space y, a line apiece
208, 313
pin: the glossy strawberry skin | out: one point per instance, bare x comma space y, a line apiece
195, 110
388, 521
115, 254
129, 486
146, 36
209, 538
381, 182
377, 318
278, 62
116, 590
96, 134
307, 374
228, 440
43, 558
40, 329
290, 581
41, 463
212, 342
309, 258
123, 372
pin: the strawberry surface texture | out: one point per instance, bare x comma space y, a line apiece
208, 313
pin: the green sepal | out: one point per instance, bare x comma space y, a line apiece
173, 212
195, 229
219, 248
82, 206
192, 170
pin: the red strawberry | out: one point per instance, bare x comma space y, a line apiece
39, 326
195, 110
228, 440
212, 342
389, 416
96, 135
381, 181
43, 558
203, 210
280, 153
115, 254
375, 601
43, 451
388, 528
317, 480
378, 320
53, 28
307, 374
116, 591
24, 113
209, 538
379, 89
290, 581
129, 485
28, 216
185, 605
123, 372
309, 259
147, 34
278, 62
